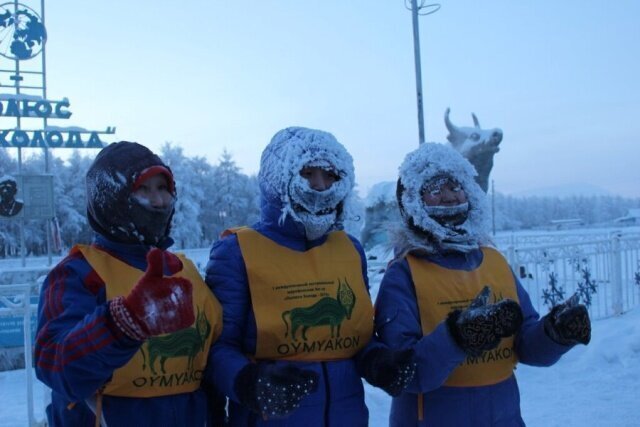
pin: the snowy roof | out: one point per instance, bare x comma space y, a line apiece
632, 214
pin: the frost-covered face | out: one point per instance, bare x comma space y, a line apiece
315, 198
443, 191
445, 201
310, 175
439, 198
319, 179
312, 190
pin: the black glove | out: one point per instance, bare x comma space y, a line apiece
568, 323
274, 390
388, 369
481, 326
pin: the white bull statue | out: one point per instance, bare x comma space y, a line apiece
477, 145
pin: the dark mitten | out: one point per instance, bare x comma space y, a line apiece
274, 390
481, 326
156, 305
388, 369
568, 323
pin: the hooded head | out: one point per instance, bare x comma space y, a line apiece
8, 188
9, 205
456, 226
290, 151
114, 211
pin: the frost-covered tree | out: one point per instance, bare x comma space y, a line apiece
251, 194
203, 177
8, 165
235, 199
534, 211
70, 198
212, 198
185, 229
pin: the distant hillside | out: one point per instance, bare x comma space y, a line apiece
565, 190
586, 204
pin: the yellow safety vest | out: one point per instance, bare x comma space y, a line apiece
166, 364
310, 305
440, 290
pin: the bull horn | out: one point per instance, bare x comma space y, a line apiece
475, 120
454, 132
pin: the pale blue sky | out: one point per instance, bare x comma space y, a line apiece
560, 78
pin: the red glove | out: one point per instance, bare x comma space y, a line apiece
156, 305
171, 262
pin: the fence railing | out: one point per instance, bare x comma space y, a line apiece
605, 272
604, 268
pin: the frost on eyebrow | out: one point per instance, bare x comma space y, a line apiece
436, 183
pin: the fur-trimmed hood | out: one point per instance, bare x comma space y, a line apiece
421, 232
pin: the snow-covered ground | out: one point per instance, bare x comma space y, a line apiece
590, 386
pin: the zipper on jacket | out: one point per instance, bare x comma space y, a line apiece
327, 393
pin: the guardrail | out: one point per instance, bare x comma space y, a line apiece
522, 239
605, 272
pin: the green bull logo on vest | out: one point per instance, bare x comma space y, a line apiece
327, 311
185, 343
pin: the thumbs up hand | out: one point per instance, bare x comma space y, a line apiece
156, 305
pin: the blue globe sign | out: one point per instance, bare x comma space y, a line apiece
22, 33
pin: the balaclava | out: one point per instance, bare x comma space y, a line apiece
112, 210
289, 151
439, 228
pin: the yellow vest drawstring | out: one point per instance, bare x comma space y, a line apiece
98, 408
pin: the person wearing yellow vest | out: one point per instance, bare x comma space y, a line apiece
452, 298
298, 319
124, 325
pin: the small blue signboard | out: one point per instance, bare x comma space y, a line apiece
12, 327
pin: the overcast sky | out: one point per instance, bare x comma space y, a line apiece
561, 79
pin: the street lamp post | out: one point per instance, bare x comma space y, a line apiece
422, 9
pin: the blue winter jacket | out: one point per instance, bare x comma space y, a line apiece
339, 399
437, 355
78, 348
